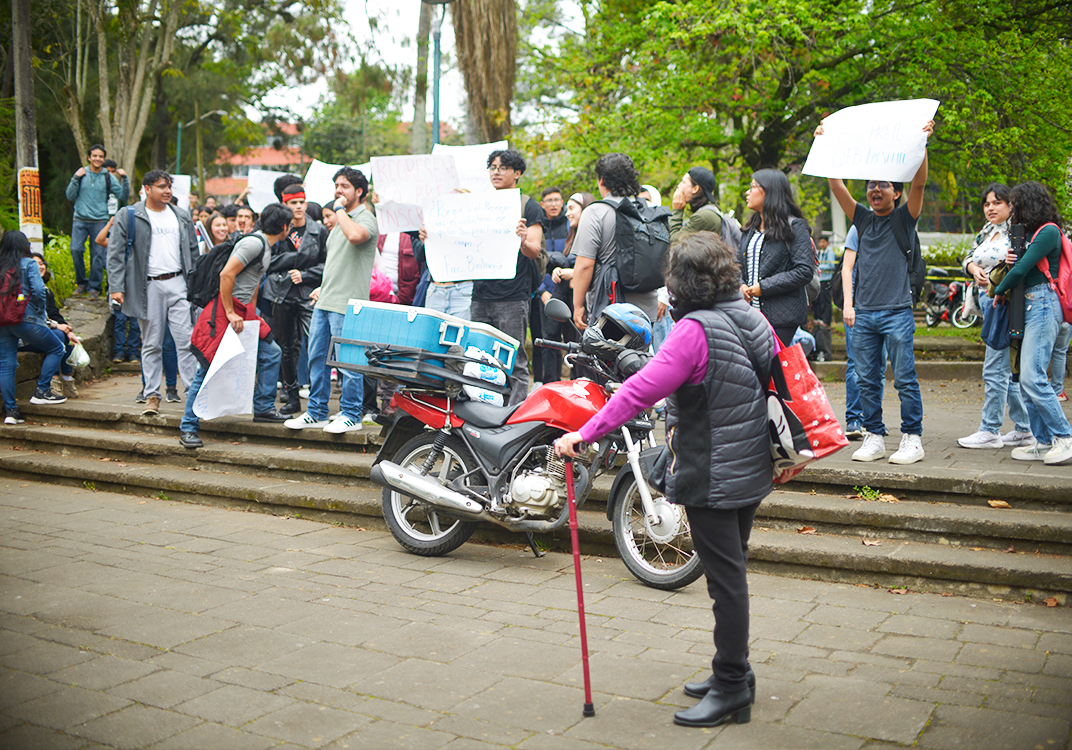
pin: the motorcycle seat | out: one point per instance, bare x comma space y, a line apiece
480, 414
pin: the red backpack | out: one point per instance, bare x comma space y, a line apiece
12, 300
1063, 283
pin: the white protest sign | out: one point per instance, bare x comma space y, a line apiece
180, 188
228, 386
403, 183
471, 163
883, 140
320, 180
473, 235
261, 188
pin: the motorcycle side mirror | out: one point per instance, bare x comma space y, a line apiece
557, 310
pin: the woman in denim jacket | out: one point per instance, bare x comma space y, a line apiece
33, 330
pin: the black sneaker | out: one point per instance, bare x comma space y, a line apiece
46, 396
269, 416
173, 396
190, 440
140, 398
14, 416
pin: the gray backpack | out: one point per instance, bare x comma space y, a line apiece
731, 228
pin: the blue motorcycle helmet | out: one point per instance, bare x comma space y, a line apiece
618, 327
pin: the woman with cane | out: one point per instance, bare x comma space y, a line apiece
719, 463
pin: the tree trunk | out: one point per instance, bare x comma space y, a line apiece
418, 134
485, 35
25, 108
161, 128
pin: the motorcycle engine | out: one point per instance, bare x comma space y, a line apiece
540, 490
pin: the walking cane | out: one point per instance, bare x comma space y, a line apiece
589, 709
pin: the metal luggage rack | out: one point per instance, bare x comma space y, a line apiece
408, 366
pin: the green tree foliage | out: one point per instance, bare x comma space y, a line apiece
741, 85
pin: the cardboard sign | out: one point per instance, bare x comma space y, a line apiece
228, 385
471, 163
29, 180
882, 141
320, 180
403, 183
473, 235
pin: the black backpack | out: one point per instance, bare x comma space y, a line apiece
917, 268
642, 241
204, 283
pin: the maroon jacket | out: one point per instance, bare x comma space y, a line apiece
409, 271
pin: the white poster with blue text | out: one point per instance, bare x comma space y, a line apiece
881, 141
472, 235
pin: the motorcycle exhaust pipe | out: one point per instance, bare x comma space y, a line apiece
387, 474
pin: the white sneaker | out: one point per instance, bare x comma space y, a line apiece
1014, 438
344, 424
369, 420
303, 393
1060, 452
336, 415
910, 450
873, 449
981, 439
302, 421
1033, 452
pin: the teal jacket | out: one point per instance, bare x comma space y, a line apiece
89, 193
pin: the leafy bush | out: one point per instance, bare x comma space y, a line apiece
946, 253
60, 263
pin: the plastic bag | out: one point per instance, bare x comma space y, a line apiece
78, 357
487, 372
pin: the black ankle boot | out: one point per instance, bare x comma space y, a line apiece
700, 689
293, 403
717, 708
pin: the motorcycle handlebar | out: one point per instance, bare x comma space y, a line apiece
565, 347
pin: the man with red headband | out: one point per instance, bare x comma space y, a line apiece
297, 268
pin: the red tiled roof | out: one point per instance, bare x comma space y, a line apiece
225, 186
263, 156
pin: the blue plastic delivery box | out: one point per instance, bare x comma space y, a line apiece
398, 325
493, 341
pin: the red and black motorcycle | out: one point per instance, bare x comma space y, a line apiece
448, 464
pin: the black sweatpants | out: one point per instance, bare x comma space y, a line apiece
721, 540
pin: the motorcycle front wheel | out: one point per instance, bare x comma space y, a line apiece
420, 527
932, 318
662, 558
960, 320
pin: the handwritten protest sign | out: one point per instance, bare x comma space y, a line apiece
261, 188
228, 386
471, 163
883, 140
473, 235
320, 183
403, 183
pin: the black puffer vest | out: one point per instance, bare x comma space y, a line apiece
717, 430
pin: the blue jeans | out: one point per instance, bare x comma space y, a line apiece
303, 362
1042, 323
453, 300
894, 330
81, 232
999, 388
128, 342
268, 357
65, 369
660, 329
326, 324
1060, 358
33, 335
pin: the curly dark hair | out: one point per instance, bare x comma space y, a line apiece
355, 178
619, 175
274, 218
1033, 205
154, 176
508, 158
1000, 190
778, 206
702, 268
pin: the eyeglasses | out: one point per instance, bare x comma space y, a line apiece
755, 186
880, 185
500, 169
552, 201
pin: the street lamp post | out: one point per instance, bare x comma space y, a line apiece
437, 27
178, 141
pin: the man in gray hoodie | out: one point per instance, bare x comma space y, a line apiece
89, 190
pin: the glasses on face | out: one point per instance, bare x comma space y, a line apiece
553, 201
872, 185
755, 186
499, 169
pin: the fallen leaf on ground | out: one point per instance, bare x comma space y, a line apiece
106, 459
978, 549
237, 442
142, 502
1052, 602
871, 542
886, 497
806, 530
998, 504
1011, 550
946, 594
900, 592
120, 463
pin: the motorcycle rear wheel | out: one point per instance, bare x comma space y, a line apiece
422, 528
932, 319
665, 565
963, 321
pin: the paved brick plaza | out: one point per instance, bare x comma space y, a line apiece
135, 622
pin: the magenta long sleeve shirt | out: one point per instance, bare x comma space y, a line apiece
681, 360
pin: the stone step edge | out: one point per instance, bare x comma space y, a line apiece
890, 558
860, 515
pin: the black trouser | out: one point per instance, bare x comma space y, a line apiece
721, 541
823, 306
785, 334
291, 319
